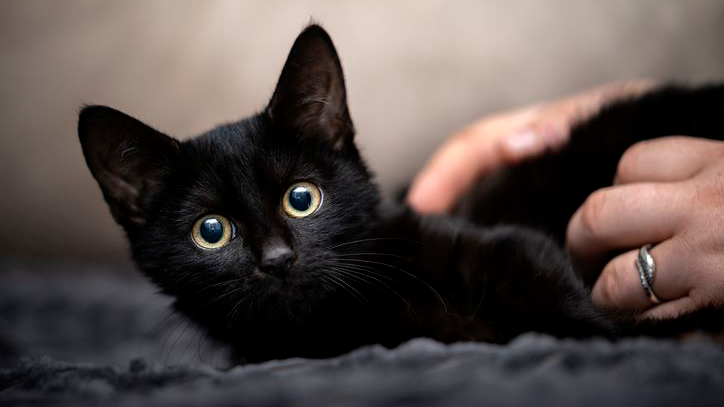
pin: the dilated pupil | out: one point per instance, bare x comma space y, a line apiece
212, 230
300, 198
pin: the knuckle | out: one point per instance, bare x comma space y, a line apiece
708, 191
706, 282
709, 150
628, 162
697, 298
716, 185
687, 242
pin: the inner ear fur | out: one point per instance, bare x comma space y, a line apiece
310, 98
126, 157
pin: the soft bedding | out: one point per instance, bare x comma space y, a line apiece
75, 335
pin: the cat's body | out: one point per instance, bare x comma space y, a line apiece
544, 192
311, 263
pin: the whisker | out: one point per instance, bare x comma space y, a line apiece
226, 294
369, 270
158, 324
339, 282
362, 276
248, 314
190, 344
351, 289
232, 314
360, 299
180, 321
373, 254
373, 240
439, 297
229, 283
396, 256
183, 332
366, 270
199, 346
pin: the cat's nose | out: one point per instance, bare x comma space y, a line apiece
277, 259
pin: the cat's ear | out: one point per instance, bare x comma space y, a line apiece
126, 157
310, 98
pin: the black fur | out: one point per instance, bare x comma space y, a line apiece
364, 272
543, 193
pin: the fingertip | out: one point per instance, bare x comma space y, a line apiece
446, 176
600, 293
572, 230
427, 196
466, 157
577, 244
619, 285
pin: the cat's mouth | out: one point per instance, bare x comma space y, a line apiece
294, 277
297, 284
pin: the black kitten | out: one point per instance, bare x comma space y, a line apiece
269, 232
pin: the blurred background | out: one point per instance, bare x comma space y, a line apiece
416, 72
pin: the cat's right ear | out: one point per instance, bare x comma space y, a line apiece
126, 157
310, 99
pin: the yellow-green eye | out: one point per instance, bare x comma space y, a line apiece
212, 232
301, 199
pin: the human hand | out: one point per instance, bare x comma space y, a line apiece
668, 192
504, 139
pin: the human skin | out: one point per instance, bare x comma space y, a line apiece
668, 192
506, 138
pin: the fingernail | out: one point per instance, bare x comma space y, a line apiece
521, 142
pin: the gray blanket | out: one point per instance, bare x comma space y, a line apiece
98, 336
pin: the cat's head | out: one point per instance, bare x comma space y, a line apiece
251, 213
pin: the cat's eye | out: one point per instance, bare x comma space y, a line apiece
301, 199
212, 232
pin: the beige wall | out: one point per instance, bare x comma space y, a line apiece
416, 71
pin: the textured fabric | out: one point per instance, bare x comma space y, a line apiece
108, 341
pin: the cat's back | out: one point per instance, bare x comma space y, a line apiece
544, 192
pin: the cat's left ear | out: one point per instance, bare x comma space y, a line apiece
310, 99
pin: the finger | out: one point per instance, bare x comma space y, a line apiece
625, 216
619, 285
704, 280
666, 159
469, 155
448, 174
672, 309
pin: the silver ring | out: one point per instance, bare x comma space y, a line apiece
647, 272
